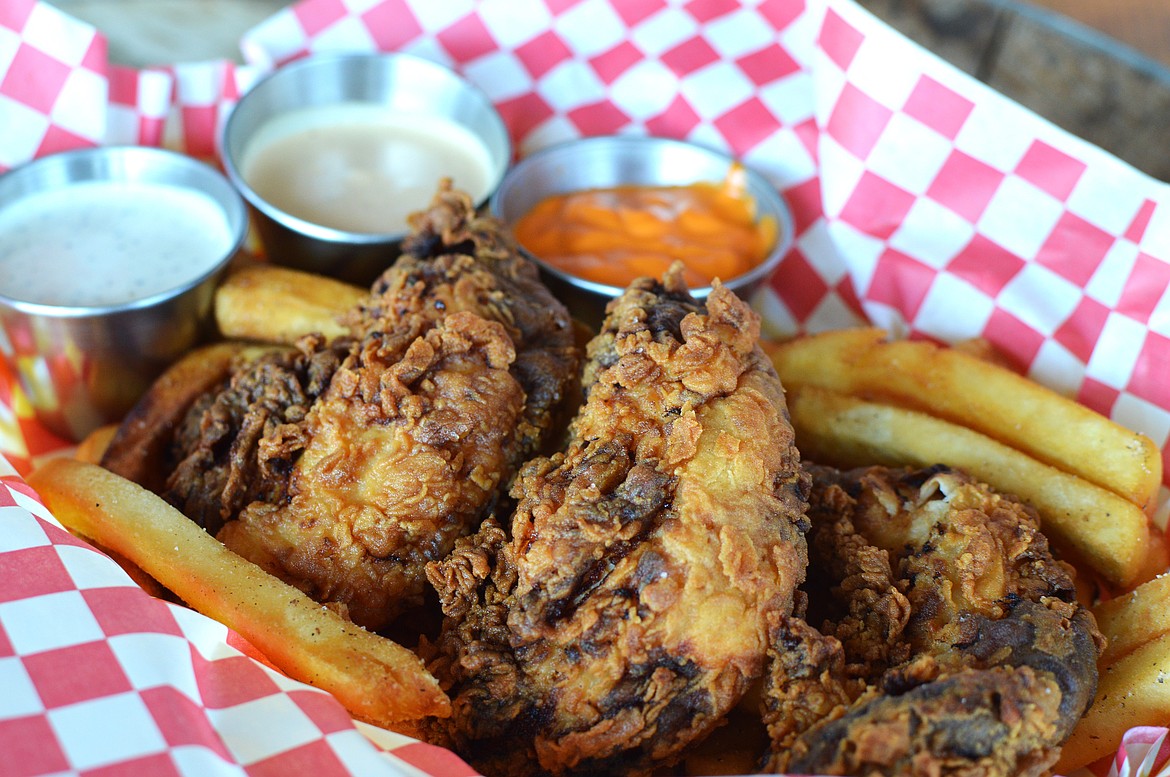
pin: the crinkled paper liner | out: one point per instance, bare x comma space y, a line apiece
1144, 751
925, 203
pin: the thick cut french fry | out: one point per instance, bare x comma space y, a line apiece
1134, 619
979, 348
1157, 557
377, 680
1133, 691
980, 395
95, 444
274, 304
1094, 525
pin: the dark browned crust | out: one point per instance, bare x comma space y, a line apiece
459, 361
1031, 677
950, 640
456, 259
236, 444
573, 642
138, 450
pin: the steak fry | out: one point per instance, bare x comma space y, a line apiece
950, 640
626, 608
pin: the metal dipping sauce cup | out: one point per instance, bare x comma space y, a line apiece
610, 161
83, 367
405, 85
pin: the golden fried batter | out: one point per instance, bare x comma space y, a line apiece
400, 453
626, 608
344, 467
950, 640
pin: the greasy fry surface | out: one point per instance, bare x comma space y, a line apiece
377, 680
278, 305
1134, 619
1097, 526
980, 395
1133, 691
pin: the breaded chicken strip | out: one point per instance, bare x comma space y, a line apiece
344, 467
626, 608
950, 640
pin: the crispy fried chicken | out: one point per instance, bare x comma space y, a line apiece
344, 467
626, 606
950, 640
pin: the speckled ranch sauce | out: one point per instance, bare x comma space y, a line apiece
359, 167
102, 243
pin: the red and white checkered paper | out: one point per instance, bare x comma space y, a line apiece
924, 202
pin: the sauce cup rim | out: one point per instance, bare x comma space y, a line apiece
232, 205
776, 207
321, 232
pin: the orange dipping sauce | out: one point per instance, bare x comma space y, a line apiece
613, 236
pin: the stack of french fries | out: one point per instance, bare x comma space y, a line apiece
1134, 687
858, 397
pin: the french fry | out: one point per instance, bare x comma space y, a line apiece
377, 680
95, 444
980, 348
1098, 527
1157, 557
1133, 691
91, 450
981, 395
135, 572
274, 304
1131, 620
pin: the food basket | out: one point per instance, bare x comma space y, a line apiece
925, 202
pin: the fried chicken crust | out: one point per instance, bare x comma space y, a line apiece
950, 640
399, 455
626, 607
344, 467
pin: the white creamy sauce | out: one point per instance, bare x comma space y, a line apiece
360, 168
101, 243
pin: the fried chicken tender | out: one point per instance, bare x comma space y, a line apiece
951, 641
626, 607
343, 467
